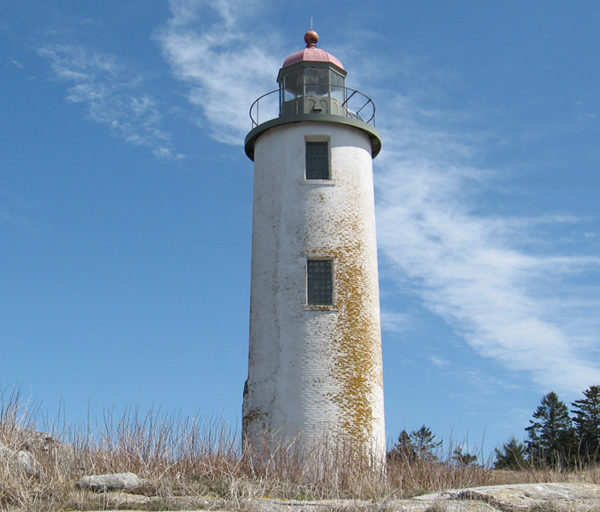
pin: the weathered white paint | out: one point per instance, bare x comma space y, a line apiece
315, 373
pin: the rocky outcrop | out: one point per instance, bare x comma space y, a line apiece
29, 448
549, 497
42, 443
554, 497
111, 482
19, 461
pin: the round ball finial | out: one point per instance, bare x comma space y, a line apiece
311, 38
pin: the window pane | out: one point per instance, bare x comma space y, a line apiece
335, 78
319, 282
317, 81
292, 83
317, 161
337, 83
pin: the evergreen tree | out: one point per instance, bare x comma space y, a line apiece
464, 459
404, 448
512, 455
551, 434
424, 443
418, 444
587, 424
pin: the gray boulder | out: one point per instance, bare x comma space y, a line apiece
28, 464
19, 461
111, 482
42, 443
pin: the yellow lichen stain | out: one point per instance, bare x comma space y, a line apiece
357, 363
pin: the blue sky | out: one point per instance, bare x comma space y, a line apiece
126, 201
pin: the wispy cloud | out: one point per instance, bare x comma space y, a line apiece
226, 65
14, 219
112, 95
480, 272
500, 281
438, 361
396, 322
14, 210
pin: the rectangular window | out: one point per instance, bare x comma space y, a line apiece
317, 160
319, 282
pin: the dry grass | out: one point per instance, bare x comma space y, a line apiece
191, 464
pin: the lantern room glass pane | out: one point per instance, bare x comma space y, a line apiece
293, 85
316, 81
337, 86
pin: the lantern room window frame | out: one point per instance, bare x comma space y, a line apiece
308, 78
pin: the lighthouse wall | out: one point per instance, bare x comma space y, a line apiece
315, 372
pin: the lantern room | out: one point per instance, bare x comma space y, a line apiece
312, 81
312, 87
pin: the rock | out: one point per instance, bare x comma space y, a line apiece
32, 448
111, 482
28, 464
555, 497
20, 461
42, 443
572, 497
552, 497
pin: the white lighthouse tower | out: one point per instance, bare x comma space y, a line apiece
315, 372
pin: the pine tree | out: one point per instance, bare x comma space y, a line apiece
424, 443
464, 459
587, 424
404, 449
551, 434
511, 456
418, 444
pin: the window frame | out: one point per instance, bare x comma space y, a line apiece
321, 306
320, 139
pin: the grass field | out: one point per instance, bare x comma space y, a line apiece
191, 463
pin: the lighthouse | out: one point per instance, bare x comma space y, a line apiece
315, 371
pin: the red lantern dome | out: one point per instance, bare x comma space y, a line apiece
311, 53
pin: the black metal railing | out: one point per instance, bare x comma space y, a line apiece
348, 102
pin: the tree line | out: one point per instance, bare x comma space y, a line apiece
556, 437
423, 445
